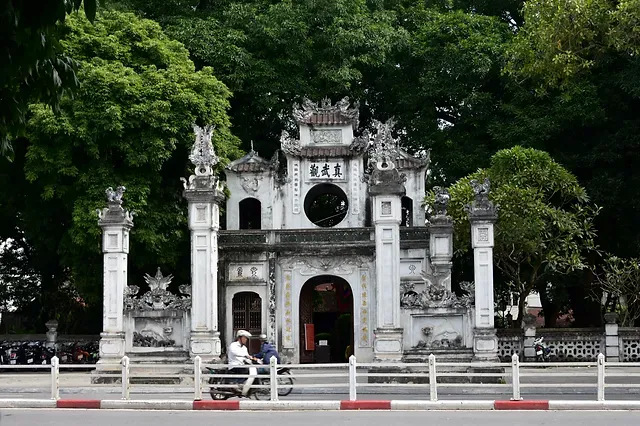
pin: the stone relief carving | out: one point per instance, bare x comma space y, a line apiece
383, 146
272, 299
315, 265
151, 339
158, 297
441, 201
251, 184
327, 137
435, 296
443, 340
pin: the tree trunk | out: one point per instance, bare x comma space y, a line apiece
522, 300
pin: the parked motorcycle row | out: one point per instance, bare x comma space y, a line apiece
37, 353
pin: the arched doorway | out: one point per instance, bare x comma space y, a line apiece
250, 213
407, 211
247, 315
326, 320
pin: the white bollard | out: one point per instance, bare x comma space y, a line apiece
353, 383
55, 378
197, 378
601, 364
515, 376
433, 384
125, 377
273, 378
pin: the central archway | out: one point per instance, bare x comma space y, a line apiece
326, 320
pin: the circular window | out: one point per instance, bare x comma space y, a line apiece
326, 205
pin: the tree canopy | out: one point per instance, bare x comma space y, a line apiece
130, 124
545, 220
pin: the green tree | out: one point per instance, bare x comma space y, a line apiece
620, 281
33, 66
545, 224
130, 124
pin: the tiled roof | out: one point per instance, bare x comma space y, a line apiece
251, 162
325, 151
328, 119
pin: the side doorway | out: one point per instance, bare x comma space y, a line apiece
247, 315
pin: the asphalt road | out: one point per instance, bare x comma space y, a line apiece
59, 417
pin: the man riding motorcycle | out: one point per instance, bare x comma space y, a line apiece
238, 356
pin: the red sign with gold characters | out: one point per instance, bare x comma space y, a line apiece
309, 337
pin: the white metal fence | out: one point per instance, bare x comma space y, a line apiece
422, 379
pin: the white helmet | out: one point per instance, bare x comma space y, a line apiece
243, 333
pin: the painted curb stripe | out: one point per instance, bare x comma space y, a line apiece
78, 403
153, 404
521, 405
289, 405
365, 405
216, 405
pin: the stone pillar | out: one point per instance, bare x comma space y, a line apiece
204, 194
612, 342
52, 333
386, 188
529, 322
116, 223
441, 239
482, 215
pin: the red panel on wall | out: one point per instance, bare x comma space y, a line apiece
309, 337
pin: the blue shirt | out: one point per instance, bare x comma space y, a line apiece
267, 351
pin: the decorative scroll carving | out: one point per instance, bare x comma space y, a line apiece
272, 298
435, 296
289, 145
158, 297
327, 137
444, 340
303, 113
324, 264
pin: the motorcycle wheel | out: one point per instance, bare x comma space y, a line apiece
285, 384
218, 396
262, 394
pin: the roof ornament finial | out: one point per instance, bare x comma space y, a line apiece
252, 150
202, 154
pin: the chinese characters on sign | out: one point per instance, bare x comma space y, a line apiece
364, 311
326, 170
288, 320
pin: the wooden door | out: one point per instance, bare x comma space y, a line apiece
247, 315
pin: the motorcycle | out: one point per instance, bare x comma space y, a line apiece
231, 389
543, 352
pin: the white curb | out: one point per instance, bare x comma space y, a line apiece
27, 403
594, 405
289, 405
442, 405
121, 404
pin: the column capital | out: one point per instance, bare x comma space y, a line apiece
482, 209
114, 215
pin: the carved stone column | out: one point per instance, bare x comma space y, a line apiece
386, 187
204, 193
441, 239
116, 223
483, 215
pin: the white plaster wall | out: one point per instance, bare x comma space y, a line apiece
264, 194
415, 187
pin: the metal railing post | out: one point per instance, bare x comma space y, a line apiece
273, 378
515, 377
197, 378
601, 365
433, 380
352, 378
55, 378
125, 377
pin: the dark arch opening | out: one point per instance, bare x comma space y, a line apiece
326, 205
326, 302
407, 212
250, 214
